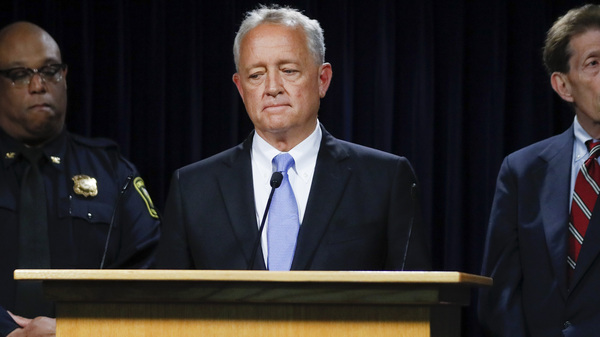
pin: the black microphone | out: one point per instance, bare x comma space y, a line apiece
413, 196
112, 219
276, 179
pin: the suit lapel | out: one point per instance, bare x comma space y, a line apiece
554, 197
237, 190
329, 182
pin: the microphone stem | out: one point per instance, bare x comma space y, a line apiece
260, 230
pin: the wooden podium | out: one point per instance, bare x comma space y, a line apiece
255, 303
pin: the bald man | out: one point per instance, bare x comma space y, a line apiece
94, 211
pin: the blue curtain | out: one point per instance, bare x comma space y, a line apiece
452, 85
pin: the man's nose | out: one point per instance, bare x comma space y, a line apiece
274, 85
37, 84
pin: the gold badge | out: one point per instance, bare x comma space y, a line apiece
10, 155
85, 185
141, 188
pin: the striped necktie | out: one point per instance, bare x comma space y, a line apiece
584, 198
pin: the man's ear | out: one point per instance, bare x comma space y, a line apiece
237, 80
562, 86
65, 76
325, 74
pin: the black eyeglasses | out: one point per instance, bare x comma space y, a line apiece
22, 76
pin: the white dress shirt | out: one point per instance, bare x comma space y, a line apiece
300, 175
580, 154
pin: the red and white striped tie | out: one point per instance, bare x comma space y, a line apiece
584, 198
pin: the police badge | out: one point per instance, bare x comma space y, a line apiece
85, 185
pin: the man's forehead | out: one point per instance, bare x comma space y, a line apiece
586, 37
277, 29
28, 49
280, 38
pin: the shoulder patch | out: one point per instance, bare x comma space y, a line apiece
138, 182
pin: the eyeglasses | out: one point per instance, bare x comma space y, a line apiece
22, 76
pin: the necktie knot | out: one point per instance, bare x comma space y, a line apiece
593, 147
283, 162
32, 155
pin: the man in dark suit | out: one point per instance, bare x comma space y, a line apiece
543, 240
354, 208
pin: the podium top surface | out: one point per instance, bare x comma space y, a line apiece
252, 275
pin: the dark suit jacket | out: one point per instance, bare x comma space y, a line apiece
361, 212
526, 250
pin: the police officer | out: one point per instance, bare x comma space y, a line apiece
91, 203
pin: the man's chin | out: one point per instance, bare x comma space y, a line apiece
40, 137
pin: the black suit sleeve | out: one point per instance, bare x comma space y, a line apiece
409, 246
7, 324
172, 249
500, 307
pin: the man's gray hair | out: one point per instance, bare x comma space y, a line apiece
287, 17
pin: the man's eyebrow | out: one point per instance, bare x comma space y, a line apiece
21, 64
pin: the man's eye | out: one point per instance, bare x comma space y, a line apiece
48, 71
19, 74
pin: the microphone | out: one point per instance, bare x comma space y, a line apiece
112, 219
276, 179
413, 196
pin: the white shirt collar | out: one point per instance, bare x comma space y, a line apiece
581, 136
304, 154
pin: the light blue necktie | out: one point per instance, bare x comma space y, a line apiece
283, 219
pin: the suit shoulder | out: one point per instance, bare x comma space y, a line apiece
369, 161
548, 146
212, 163
534, 156
369, 154
537, 146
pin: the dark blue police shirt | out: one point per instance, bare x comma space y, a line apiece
78, 224
7, 324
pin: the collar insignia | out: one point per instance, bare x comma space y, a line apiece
85, 185
10, 155
55, 160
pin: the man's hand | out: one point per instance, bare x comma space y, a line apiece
37, 327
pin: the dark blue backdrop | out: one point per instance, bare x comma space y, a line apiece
452, 85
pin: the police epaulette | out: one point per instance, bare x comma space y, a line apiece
95, 142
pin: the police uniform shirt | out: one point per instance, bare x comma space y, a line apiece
83, 179
7, 324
